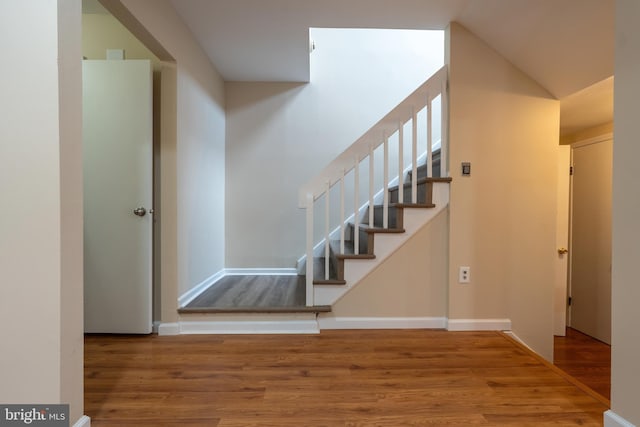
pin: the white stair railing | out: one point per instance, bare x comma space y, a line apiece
409, 111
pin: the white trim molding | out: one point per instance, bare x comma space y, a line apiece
611, 419
84, 421
328, 322
242, 323
192, 293
517, 338
478, 324
169, 328
260, 272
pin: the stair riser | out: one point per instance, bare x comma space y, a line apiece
363, 243
378, 212
424, 194
422, 170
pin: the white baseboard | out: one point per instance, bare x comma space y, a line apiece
479, 324
611, 419
155, 326
260, 272
238, 323
169, 329
250, 327
84, 421
517, 338
192, 293
327, 322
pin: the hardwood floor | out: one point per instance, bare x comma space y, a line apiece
336, 378
586, 359
253, 291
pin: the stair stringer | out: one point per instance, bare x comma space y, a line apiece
385, 245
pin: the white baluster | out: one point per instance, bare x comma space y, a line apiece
385, 189
309, 267
371, 184
326, 230
401, 162
356, 209
414, 157
444, 131
429, 139
342, 212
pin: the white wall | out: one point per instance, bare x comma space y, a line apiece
279, 135
199, 149
503, 217
41, 218
625, 351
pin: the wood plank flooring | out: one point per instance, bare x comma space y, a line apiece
586, 359
253, 291
337, 378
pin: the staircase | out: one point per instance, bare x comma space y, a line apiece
376, 243
344, 249
367, 232
399, 169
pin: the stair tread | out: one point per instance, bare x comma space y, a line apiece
408, 205
283, 309
421, 181
329, 282
355, 256
368, 229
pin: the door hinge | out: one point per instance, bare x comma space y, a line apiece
569, 301
570, 170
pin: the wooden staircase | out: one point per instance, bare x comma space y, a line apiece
367, 232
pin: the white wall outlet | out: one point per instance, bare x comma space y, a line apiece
464, 275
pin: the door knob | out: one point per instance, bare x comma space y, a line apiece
140, 211
562, 251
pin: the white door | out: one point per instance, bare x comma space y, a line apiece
117, 135
591, 239
562, 242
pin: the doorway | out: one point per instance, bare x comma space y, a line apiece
118, 202
589, 288
103, 30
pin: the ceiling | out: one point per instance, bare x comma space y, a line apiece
587, 108
565, 45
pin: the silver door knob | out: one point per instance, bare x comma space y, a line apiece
140, 211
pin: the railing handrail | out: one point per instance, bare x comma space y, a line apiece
374, 137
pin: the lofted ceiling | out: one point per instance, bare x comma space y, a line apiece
565, 45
